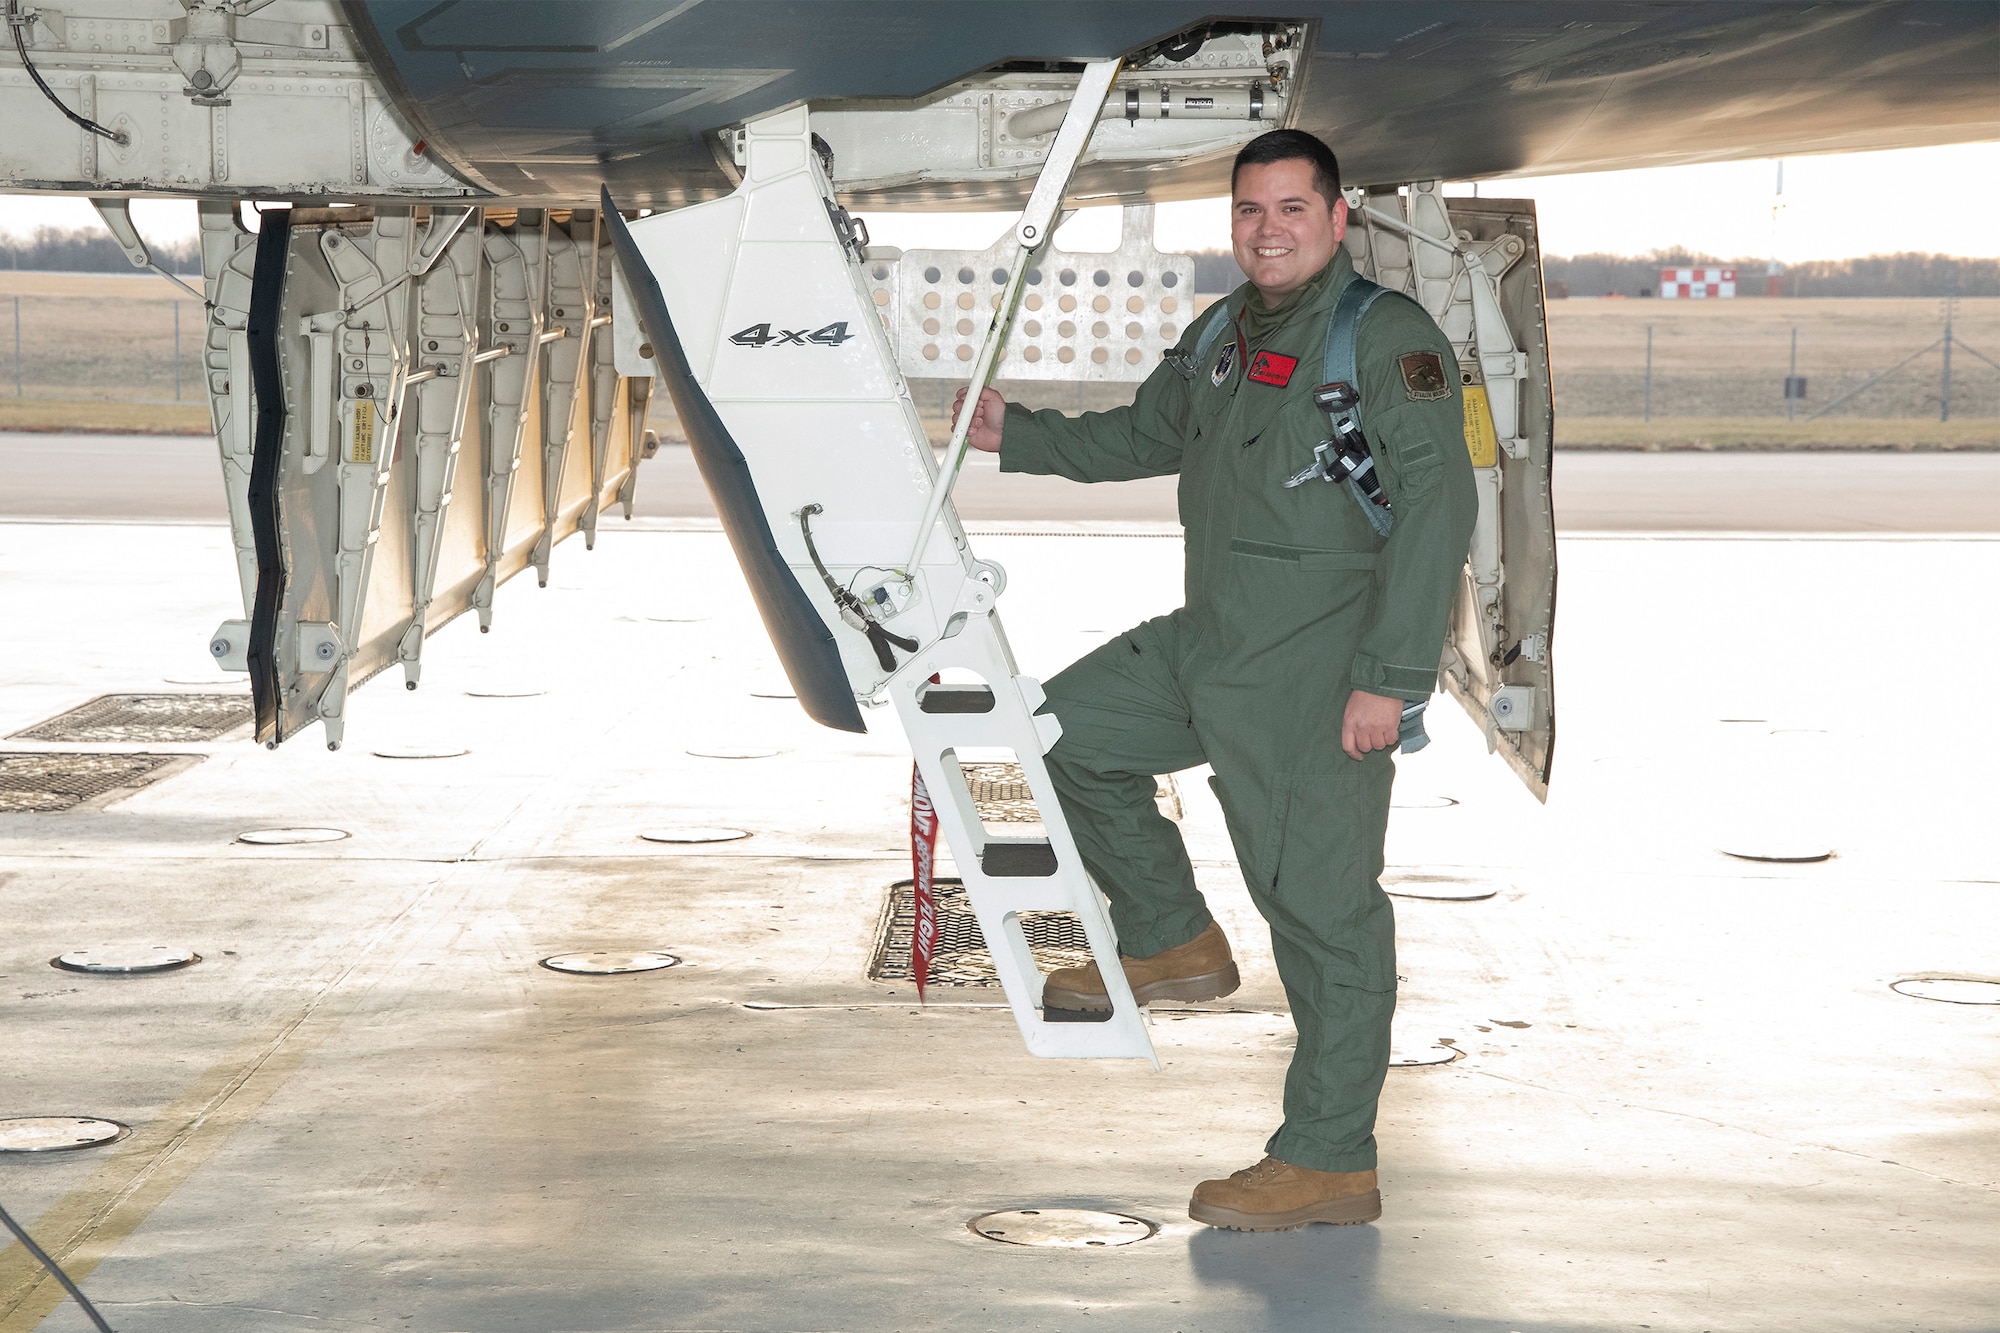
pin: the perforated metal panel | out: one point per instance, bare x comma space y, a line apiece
47, 783
1055, 938
1083, 316
145, 719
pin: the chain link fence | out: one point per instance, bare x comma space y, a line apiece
129, 347
1847, 359
132, 345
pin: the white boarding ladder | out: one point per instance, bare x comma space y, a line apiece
756, 313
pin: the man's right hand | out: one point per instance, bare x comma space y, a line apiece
989, 418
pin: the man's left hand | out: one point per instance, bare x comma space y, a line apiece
1371, 723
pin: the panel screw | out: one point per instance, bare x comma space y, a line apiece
219, 648
363, 390
324, 651
503, 328
646, 351
431, 345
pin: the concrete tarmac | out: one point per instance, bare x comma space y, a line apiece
177, 478
1685, 1096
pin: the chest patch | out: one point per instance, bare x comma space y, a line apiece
1273, 368
1423, 376
1222, 364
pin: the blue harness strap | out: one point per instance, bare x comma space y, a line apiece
1187, 363
1342, 334
1343, 328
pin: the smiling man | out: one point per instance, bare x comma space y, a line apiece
1318, 583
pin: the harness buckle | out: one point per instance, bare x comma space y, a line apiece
1339, 396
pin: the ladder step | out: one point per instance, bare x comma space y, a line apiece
956, 699
1018, 860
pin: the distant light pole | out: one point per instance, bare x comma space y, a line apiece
1649, 372
17, 347
1774, 282
177, 351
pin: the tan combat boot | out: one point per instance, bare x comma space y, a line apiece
1277, 1196
1201, 969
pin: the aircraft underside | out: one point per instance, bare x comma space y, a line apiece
436, 365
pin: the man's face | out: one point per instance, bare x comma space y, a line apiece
1281, 228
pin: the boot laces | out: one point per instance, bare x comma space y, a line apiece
1264, 1171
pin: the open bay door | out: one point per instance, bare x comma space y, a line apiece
1476, 265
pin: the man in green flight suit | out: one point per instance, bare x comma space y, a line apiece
1303, 636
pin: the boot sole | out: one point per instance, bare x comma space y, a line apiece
1207, 986
1351, 1211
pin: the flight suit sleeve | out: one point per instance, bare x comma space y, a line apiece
1414, 416
1144, 439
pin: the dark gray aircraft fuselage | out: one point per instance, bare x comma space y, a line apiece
548, 101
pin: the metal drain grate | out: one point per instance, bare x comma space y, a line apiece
1001, 793
46, 783
1055, 938
144, 719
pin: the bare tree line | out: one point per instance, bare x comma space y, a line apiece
80, 250
91, 250
1908, 274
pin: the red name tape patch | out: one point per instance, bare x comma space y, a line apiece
1272, 368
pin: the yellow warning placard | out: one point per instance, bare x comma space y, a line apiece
1481, 441
363, 448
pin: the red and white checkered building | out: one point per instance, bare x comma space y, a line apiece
1696, 283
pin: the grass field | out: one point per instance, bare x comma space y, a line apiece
97, 354
1730, 358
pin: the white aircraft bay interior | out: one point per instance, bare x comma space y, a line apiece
508, 223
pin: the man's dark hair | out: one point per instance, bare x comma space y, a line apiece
1292, 146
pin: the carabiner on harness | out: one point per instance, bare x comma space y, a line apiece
1346, 457
852, 609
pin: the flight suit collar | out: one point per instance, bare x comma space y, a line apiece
1296, 330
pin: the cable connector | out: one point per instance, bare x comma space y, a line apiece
18, 22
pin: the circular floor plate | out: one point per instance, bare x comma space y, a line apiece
285, 837
1441, 888
57, 1133
1062, 1228
694, 833
125, 959
732, 751
1951, 990
1781, 853
610, 962
1437, 1054
420, 752
506, 692
1425, 803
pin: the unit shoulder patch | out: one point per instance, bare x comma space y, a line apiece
1423, 376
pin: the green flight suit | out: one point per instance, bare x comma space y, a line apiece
1292, 600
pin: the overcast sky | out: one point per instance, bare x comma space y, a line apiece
1942, 200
